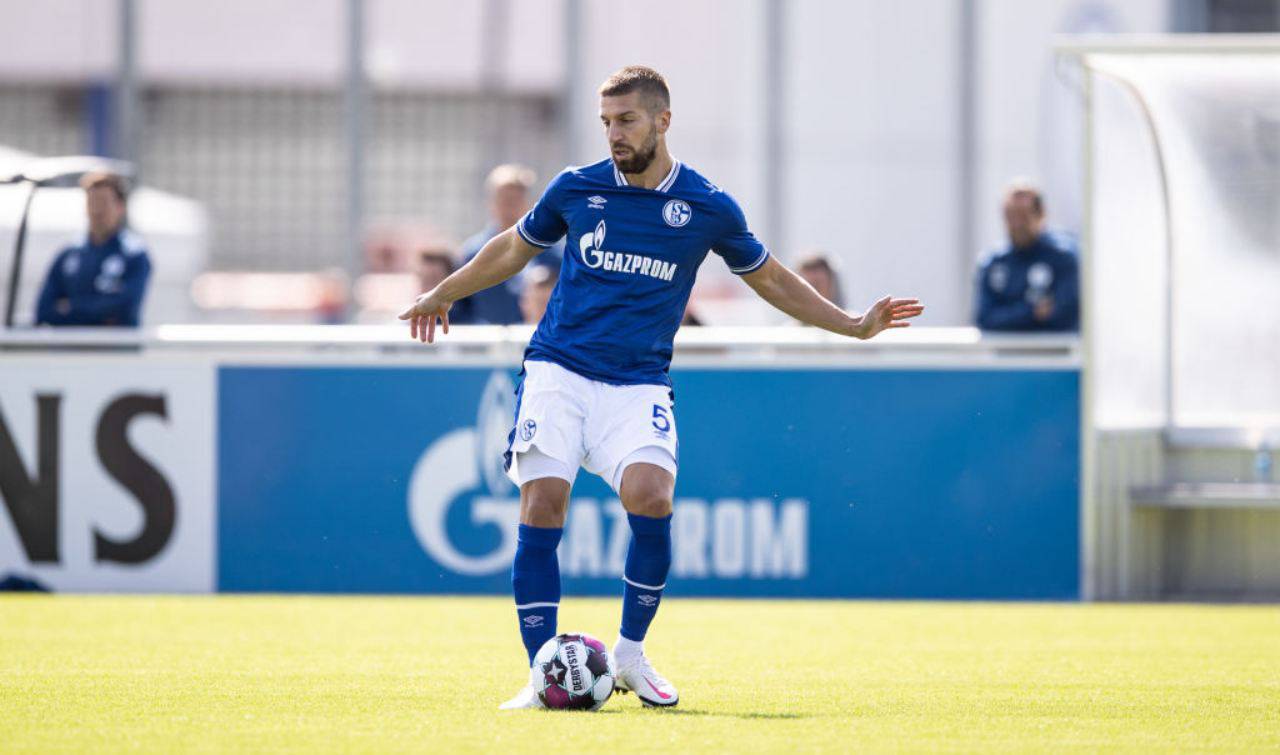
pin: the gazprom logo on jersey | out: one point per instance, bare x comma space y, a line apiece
591, 245
729, 538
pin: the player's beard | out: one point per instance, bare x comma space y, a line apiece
640, 159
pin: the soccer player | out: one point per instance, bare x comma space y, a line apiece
596, 392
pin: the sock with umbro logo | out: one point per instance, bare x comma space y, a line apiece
535, 581
645, 573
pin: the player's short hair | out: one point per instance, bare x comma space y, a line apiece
1021, 187
438, 255
817, 260
643, 79
102, 179
511, 174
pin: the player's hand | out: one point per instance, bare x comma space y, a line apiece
422, 316
885, 314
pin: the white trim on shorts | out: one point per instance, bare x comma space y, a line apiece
655, 455
536, 464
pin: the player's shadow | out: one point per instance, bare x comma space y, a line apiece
727, 714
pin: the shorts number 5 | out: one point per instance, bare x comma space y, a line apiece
661, 420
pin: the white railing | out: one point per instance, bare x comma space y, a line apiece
693, 346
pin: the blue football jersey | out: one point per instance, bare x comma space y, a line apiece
630, 260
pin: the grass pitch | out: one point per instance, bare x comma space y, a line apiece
306, 674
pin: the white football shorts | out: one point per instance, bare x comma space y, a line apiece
565, 421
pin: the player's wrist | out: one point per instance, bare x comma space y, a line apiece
441, 295
854, 326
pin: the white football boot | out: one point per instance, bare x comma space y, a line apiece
636, 674
525, 699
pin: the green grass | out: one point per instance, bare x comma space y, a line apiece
307, 674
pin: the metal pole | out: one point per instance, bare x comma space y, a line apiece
571, 95
15, 267
1090, 534
125, 144
355, 101
1191, 16
774, 101
493, 68
967, 146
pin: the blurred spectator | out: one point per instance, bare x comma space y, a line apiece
391, 244
818, 271
431, 265
540, 281
1033, 283
102, 280
509, 188
690, 318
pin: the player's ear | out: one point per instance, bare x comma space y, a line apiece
663, 120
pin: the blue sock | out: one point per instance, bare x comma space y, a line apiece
645, 574
535, 580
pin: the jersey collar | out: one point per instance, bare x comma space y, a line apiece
666, 184
113, 239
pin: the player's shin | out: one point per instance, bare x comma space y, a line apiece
535, 581
645, 574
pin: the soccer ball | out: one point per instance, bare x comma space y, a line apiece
573, 672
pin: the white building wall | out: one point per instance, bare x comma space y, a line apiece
871, 107
56, 39
871, 120
1029, 119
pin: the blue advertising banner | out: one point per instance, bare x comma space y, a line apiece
793, 482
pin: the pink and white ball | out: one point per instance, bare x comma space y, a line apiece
573, 672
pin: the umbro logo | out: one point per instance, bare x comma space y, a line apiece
533, 621
596, 202
648, 601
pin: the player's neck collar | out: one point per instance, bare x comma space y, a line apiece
666, 183
109, 238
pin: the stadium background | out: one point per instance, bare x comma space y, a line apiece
882, 133
279, 177
988, 499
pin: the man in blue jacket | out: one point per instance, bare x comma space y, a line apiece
1033, 284
508, 188
102, 280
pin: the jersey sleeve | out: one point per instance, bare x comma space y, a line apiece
739, 247
544, 225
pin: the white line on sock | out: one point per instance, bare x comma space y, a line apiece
643, 587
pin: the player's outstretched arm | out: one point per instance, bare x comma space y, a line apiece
781, 287
505, 255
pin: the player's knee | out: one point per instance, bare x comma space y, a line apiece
544, 502
655, 506
646, 495
543, 512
